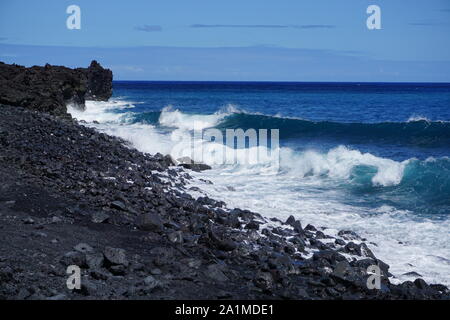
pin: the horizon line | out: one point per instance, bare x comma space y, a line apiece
287, 81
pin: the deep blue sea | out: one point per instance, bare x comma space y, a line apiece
370, 157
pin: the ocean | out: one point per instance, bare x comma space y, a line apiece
368, 157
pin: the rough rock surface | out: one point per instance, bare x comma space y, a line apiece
50, 88
99, 82
71, 195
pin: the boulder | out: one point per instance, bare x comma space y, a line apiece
149, 222
188, 163
115, 256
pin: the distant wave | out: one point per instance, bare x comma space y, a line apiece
418, 132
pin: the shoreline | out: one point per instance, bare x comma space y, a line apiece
175, 243
73, 196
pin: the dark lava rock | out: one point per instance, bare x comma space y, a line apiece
51, 88
358, 249
94, 260
421, 284
412, 274
115, 256
98, 83
176, 237
188, 163
119, 205
151, 282
310, 228
221, 242
149, 222
349, 235
74, 258
252, 225
195, 166
264, 280
215, 272
118, 270
99, 217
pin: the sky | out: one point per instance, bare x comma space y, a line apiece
245, 40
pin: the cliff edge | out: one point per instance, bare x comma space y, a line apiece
50, 88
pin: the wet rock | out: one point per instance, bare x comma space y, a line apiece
119, 205
349, 235
320, 235
421, 284
221, 242
290, 221
412, 274
345, 274
188, 163
252, 225
358, 249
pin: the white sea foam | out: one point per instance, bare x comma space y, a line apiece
304, 187
176, 119
407, 244
415, 118
339, 163
102, 111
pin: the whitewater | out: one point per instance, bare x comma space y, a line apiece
338, 188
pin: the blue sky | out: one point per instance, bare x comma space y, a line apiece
266, 40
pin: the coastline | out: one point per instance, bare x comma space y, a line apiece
192, 244
72, 195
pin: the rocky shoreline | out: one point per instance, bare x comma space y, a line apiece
73, 196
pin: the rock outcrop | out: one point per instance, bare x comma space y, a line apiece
50, 88
99, 82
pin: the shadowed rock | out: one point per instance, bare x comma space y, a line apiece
50, 88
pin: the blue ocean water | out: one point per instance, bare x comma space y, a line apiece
394, 121
370, 157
